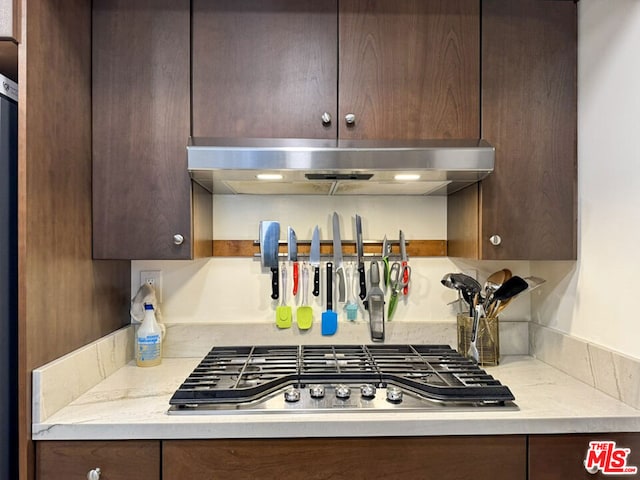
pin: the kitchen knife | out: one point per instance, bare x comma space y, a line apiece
337, 257
405, 260
360, 252
314, 260
269, 239
292, 250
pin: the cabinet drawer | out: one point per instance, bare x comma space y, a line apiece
444, 458
560, 457
117, 460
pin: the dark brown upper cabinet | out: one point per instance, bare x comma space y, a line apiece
409, 69
144, 206
527, 208
264, 68
380, 69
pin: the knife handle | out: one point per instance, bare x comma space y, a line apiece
275, 291
385, 262
295, 278
316, 281
341, 286
405, 278
329, 286
393, 301
363, 282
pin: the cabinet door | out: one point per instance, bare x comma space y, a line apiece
529, 101
529, 105
141, 187
409, 69
264, 68
561, 457
444, 458
117, 460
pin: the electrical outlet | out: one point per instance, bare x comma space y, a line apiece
153, 278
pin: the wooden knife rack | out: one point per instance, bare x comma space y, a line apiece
372, 249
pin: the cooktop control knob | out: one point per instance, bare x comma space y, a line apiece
316, 391
394, 394
368, 391
343, 392
292, 395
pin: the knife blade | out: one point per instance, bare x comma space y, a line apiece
269, 240
314, 260
405, 261
360, 253
337, 257
292, 250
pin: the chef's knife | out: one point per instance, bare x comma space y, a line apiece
360, 252
405, 260
292, 249
314, 260
337, 257
269, 239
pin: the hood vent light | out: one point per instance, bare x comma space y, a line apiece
269, 176
406, 178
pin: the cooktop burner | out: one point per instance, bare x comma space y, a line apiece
319, 378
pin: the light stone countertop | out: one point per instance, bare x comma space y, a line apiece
132, 403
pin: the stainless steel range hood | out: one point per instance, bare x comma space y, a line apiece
337, 167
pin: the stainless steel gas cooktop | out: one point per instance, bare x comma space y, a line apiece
318, 379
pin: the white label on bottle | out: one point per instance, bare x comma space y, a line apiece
149, 347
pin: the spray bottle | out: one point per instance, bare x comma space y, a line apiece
149, 340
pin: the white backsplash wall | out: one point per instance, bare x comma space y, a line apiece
596, 299
236, 217
229, 290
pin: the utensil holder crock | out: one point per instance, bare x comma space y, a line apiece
487, 342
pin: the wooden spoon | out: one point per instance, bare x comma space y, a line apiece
493, 283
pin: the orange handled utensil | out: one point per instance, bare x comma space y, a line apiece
406, 276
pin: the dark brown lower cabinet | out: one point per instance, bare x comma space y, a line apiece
442, 458
490, 457
117, 460
561, 457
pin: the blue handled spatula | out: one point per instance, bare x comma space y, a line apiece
329, 317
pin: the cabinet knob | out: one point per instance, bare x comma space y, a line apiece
326, 118
94, 474
495, 239
178, 239
350, 118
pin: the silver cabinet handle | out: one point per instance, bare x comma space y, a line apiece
495, 240
326, 118
350, 118
94, 474
178, 239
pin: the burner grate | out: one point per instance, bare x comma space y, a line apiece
237, 375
